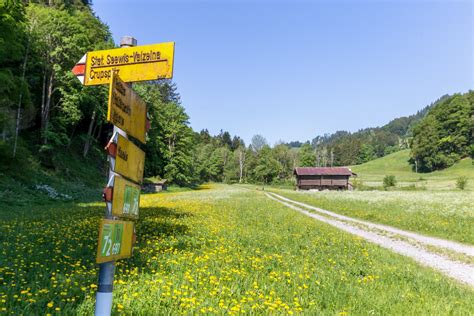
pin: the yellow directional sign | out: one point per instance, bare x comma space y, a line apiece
147, 62
116, 240
129, 160
126, 198
126, 110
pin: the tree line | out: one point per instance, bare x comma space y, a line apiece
438, 136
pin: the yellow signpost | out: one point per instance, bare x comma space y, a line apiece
138, 63
126, 198
116, 240
129, 160
126, 109
127, 112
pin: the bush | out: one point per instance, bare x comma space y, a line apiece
389, 181
461, 182
357, 184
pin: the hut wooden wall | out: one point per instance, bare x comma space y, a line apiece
310, 181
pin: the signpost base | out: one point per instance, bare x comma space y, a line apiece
103, 305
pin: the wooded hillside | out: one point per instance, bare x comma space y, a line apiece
445, 135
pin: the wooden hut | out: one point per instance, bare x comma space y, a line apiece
153, 187
323, 178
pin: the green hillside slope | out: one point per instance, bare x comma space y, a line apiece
25, 181
396, 163
373, 172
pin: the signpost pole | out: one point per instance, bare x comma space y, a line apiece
103, 304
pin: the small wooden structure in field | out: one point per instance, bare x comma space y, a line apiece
323, 178
156, 186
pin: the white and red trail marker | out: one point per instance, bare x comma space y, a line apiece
79, 69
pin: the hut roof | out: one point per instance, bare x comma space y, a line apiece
323, 171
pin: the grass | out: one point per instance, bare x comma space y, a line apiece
218, 250
443, 214
373, 172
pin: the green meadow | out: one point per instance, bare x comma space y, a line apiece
217, 250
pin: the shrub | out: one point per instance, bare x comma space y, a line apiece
357, 184
389, 181
461, 182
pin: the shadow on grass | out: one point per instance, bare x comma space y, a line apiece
161, 212
159, 222
154, 224
176, 189
199, 187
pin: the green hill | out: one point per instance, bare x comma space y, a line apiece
373, 172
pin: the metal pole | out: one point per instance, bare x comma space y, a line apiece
103, 303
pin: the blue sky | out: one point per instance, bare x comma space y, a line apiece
291, 70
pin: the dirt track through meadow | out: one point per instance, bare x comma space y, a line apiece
403, 242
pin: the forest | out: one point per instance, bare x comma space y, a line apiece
44, 110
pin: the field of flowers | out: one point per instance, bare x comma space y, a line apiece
220, 249
448, 214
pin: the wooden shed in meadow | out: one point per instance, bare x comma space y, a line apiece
323, 178
156, 186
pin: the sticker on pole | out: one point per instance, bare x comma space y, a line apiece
126, 109
116, 240
139, 63
126, 198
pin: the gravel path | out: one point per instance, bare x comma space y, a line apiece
460, 271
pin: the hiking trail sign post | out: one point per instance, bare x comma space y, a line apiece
127, 112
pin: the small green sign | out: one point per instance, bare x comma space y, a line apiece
130, 200
111, 239
117, 243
